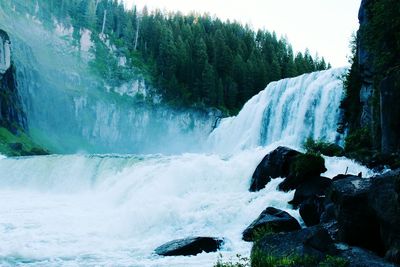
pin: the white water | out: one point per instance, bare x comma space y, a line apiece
114, 210
289, 110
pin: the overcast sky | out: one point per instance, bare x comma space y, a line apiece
323, 26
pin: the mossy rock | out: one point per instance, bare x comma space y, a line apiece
304, 167
322, 147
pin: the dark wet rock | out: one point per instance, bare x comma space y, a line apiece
390, 112
368, 212
271, 220
313, 187
311, 210
314, 242
275, 164
358, 257
189, 246
303, 168
310, 199
344, 176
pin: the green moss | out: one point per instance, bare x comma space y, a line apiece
261, 259
322, 147
262, 231
306, 165
358, 141
19, 144
334, 261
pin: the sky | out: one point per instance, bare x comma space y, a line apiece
323, 26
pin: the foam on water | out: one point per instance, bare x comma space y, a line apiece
289, 110
114, 210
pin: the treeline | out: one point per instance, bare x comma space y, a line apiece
193, 59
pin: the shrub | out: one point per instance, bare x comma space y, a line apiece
358, 140
309, 164
334, 261
262, 231
261, 259
322, 147
239, 262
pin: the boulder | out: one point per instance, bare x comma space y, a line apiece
310, 198
368, 212
344, 176
270, 220
357, 223
275, 164
311, 210
311, 188
303, 167
312, 243
189, 246
358, 257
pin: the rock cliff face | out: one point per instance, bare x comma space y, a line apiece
365, 60
11, 114
378, 67
390, 112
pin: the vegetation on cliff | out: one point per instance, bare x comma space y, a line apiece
193, 59
376, 58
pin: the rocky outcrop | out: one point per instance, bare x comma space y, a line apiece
358, 257
368, 213
309, 244
5, 52
271, 220
301, 172
11, 115
273, 165
390, 112
365, 60
189, 246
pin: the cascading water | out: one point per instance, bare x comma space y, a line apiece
290, 110
113, 210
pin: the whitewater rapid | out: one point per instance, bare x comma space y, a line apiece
114, 210
108, 210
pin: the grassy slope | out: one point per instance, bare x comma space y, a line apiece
18, 145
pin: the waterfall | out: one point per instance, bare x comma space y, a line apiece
110, 210
115, 209
289, 111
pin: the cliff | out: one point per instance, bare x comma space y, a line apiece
12, 116
373, 84
13, 125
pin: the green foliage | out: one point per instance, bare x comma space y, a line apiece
261, 259
352, 85
307, 165
334, 261
358, 140
18, 144
195, 60
382, 35
322, 147
262, 231
239, 262
379, 38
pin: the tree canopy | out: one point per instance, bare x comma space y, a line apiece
193, 59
